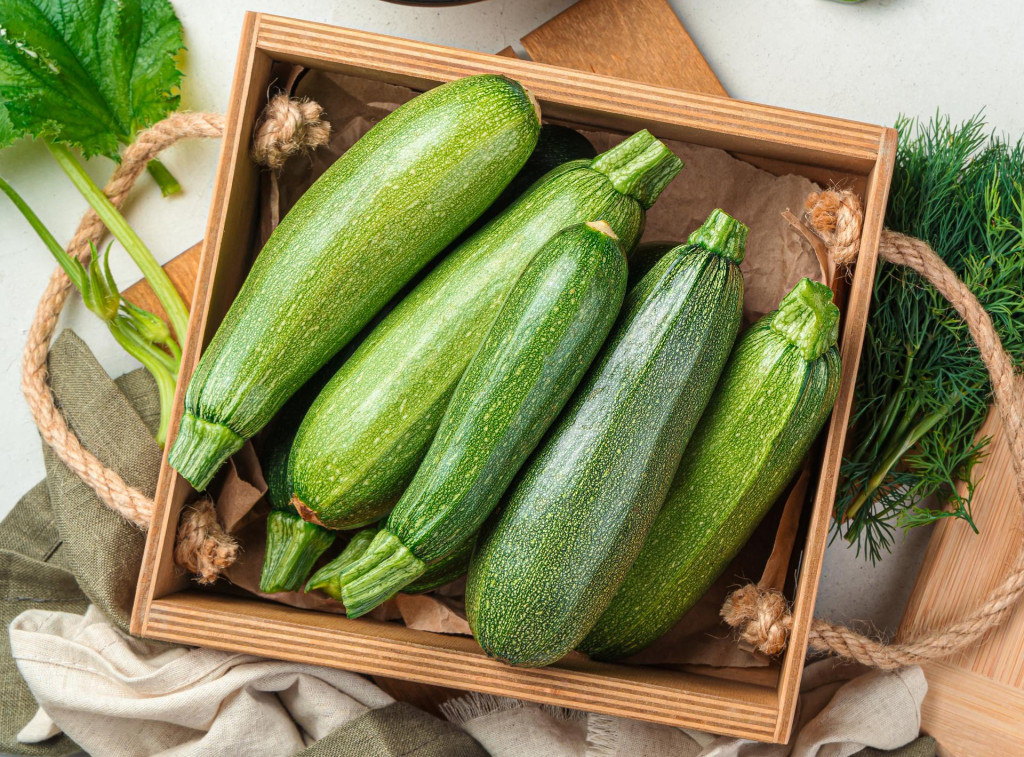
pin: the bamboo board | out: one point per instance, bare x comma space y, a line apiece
975, 702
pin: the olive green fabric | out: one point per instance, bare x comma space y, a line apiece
920, 747
60, 547
398, 730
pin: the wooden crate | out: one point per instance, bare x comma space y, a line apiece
824, 149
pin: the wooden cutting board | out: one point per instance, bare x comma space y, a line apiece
975, 701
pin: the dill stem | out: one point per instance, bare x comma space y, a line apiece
895, 452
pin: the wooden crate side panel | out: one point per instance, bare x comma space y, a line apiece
659, 696
702, 119
230, 220
857, 309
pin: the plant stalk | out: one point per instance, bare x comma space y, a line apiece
146, 354
908, 441
155, 275
73, 268
163, 178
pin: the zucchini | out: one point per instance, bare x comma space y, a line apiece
534, 354
295, 545
774, 397
447, 569
547, 566
362, 440
394, 200
644, 258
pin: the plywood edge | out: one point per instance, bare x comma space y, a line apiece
735, 124
162, 530
858, 307
241, 625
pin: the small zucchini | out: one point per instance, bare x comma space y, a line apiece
773, 399
551, 559
362, 441
548, 331
393, 201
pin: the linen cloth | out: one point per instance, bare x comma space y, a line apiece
63, 553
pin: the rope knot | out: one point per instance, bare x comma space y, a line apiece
836, 217
287, 127
203, 547
762, 617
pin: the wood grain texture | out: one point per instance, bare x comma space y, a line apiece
181, 270
797, 142
637, 40
984, 685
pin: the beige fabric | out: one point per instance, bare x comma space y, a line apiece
123, 697
837, 718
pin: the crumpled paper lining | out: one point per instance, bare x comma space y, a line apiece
776, 259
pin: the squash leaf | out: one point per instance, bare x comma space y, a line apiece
88, 73
7, 131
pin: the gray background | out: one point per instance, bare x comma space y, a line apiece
868, 62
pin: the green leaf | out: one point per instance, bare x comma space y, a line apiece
7, 131
88, 73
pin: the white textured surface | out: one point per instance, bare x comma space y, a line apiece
868, 62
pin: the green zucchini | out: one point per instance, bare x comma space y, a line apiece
393, 201
534, 354
774, 397
645, 257
294, 545
361, 442
447, 569
438, 573
548, 564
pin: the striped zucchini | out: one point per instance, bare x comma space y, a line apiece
775, 395
293, 545
546, 568
644, 258
447, 569
364, 437
535, 353
406, 189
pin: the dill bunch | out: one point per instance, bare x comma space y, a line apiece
922, 390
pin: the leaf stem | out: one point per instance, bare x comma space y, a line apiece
155, 275
73, 268
146, 354
163, 178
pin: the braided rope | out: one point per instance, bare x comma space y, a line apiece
203, 545
763, 618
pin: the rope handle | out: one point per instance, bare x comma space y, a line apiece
203, 546
764, 618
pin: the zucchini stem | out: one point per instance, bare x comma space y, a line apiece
325, 579
125, 234
293, 546
163, 178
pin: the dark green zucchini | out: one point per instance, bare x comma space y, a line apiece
644, 258
447, 569
549, 562
548, 331
774, 396
393, 201
555, 146
362, 441
438, 573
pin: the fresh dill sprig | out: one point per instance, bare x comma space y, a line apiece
922, 390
